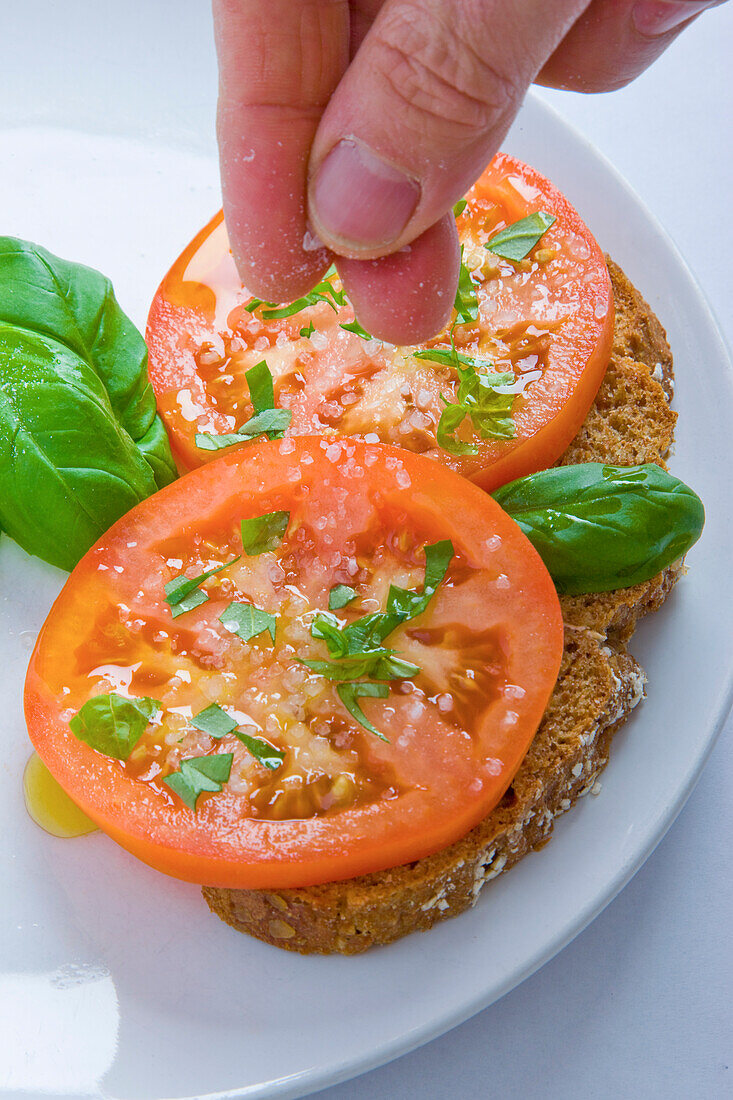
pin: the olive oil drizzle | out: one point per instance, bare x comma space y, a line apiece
49, 805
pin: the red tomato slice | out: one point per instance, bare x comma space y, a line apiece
547, 318
343, 802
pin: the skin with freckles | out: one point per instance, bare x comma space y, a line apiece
357, 124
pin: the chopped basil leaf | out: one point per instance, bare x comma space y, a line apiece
348, 694
267, 420
448, 357
466, 303
189, 602
270, 422
214, 721
380, 663
518, 239
322, 292
205, 441
357, 650
408, 603
253, 304
261, 534
339, 596
262, 751
182, 593
198, 774
261, 387
483, 395
459, 208
112, 724
308, 332
247, 621
356, 328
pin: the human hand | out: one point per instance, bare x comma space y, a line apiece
351, 127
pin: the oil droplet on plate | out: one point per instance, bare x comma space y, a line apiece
49, 805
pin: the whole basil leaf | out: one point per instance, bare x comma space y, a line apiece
80, 440
68, 469
599, 527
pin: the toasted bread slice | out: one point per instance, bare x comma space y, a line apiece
598, 687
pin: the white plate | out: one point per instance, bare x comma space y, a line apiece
117, 981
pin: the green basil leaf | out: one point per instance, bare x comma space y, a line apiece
340, 596
380, 664
518, 239
80, 440
348, 694
459, 208
180, 588
247, 621
261, 534
261, 387
113, 724
275, 312
267, 420
214, 721
598, 528
188, 603
451, 419
206, 441
466, 303
199, 774
355, 327
447, 356
262, 751
308, 332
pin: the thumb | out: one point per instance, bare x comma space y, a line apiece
420, 111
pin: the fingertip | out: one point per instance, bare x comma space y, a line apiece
276, 257
407, 298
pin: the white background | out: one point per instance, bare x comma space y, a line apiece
640, 1003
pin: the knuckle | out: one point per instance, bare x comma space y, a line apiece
436, 71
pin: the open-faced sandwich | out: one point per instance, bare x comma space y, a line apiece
354, 663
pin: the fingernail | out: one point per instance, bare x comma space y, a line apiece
361, 200
654, 17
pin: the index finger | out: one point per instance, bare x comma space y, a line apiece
279, 63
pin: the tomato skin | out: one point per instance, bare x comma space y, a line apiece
219, 846
555, 312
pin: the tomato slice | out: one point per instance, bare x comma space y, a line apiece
343, 801
548, 319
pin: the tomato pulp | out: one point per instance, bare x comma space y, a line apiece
546, 319
436, 748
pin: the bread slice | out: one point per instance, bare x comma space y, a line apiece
598, 687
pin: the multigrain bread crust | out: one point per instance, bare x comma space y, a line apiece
599, 685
